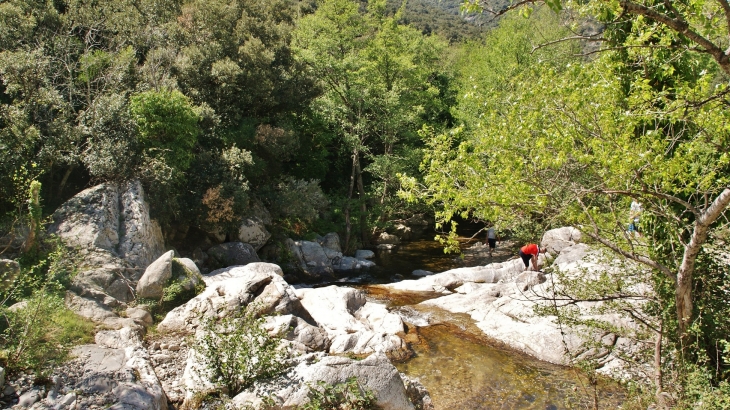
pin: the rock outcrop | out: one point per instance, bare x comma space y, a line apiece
353, 324
501, 297
231, 289
252, 231
232, 254
319, 260
109, 226
290, 390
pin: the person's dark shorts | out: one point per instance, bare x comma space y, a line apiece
492, 243
525, 258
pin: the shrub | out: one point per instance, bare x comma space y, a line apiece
298, 201
342, 396
236, 350
38, 334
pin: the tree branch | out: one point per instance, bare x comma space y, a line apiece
638, 258
560, 40
682, 27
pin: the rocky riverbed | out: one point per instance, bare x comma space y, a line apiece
333, 332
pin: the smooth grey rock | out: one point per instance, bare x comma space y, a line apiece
374, 373
387, 246
453, 278
555, 240
231, 289
142, 241
98, 359
233, 254
139, 314
65, 402
311, 259
528, 279
386, 238
364, 254
348, 263
352, 324
421, 272
253, 232
331, 241
112, 217
30, 397
186, 272
118, 339
304, 336
134, 395
152, 283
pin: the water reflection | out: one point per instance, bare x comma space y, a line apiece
462, 372
460, 367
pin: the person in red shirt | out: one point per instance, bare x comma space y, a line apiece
529, 253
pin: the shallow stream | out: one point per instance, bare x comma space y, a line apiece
461, 368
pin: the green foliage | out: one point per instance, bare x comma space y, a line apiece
236, 350
348, 395
38, 335
168, 126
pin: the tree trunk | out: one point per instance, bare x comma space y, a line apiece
348, 224
658, 360
64, 180
363, 206
686, 269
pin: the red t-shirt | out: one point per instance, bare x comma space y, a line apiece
530, 249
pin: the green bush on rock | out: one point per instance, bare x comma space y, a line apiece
236, 350
341, 396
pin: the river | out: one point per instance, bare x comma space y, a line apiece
461, 368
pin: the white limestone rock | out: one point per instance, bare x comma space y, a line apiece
155, 277
231, 289
374, 373
253, 232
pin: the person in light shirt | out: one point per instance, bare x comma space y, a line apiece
491, 239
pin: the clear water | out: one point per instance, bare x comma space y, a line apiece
461, 368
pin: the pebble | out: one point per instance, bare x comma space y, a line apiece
173, 348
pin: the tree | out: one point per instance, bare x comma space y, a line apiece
575, 143
374, 76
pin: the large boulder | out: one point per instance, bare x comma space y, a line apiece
156, 277
253, 232
232, 254
112, 217
353, 324
555, 240
446, 282
311, 259
290, 390
387, 239
331, 241
123, 375
110, 229
501, 299
231, 289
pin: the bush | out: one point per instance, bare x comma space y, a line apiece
38, 334
236, 351
342, 396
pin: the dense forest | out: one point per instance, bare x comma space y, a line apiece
341, 115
